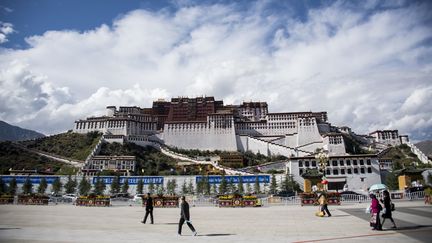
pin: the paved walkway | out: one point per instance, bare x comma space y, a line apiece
349, 223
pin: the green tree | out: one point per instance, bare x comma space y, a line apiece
84, 186
151, 188
171, 186
160, 189
99, 186
206, 185
240, 185
70, 185
191, 188
13, 186
27, 186
125, 186
42, 186
3, 187
223, 185
214, 190
257, 186
115, 185
392, 181
231, 188
200, 186
184, 189
273, 185
285, 184
140, 187
57, 185
248, 188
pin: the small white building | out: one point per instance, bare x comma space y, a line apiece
121, 164
358, 172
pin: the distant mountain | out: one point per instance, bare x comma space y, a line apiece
9, 132
425, 147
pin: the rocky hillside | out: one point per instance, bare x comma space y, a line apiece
425, 147
9, 132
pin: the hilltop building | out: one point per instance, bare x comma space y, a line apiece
207, 124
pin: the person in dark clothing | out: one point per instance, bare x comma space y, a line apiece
184, 216
388, 208
149, 209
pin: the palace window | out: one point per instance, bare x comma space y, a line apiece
348, 162
361, 162
307, 163
341, 163
313, 163
362, 170
342, 171
369, 170
368, 162
335, 172
334, 162
349, 171
355, 162
355, 170
300, 163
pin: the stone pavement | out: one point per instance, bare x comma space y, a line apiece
349, 223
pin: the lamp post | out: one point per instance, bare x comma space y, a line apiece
322, 157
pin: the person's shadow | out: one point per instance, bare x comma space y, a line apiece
215, 234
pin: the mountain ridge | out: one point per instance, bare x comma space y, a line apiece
10, 132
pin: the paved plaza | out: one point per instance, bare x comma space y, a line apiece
349, 223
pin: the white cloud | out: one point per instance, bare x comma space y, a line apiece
368, 69
5, 30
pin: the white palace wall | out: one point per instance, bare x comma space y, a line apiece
307, 131
201, 137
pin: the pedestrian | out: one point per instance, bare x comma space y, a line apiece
185, 217
323, 204
149, 209
376, 207
387, 208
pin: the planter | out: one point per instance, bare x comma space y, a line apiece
93, 201
238, 201
309, 199
163, 202
6, 200
333, 198
33, 200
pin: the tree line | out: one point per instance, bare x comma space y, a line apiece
203, 187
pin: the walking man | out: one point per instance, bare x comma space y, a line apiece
149, 209
184, 216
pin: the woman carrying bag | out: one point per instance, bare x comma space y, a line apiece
388, 208
376, 207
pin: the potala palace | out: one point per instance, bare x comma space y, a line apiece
204, 123
207, 124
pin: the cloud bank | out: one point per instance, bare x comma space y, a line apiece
368, 65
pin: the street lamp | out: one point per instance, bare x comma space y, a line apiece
322, 157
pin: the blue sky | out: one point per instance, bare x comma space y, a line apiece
367, 63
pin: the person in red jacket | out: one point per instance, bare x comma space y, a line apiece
376, 208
